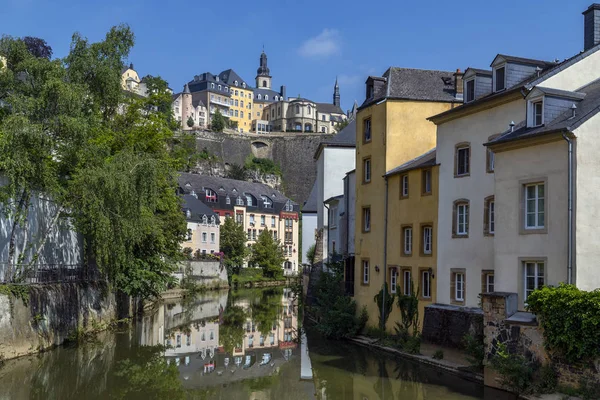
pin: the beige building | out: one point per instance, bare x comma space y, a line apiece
255, 206
504, 208
202, 225
187, 105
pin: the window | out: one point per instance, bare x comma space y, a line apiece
537, 109
426, 284
248, 200
462, 219
236, 113
262, 220
204, 236
470, 94
500, 78
309, 109
407, 240
266, 97
366, 219
393, 280
251, 219
487, 279
367, 170
323, 118
462, 162
406, 282
365, 265
333, 217
534, 276
404, 185
427, 240
426, 184
297, 109
267, 202
259, 97
272, 222
535, 210
189, 235
253, 234
212, 238
289, 206
489, 217
241, 114
212, 85
227, 200
459, 286
239, 201
226, 89
249, 234
367, 130
239, 218
211, 196
219, 87
274, 235
204, 220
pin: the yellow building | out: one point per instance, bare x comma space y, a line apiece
392, 129
412, 224
130, 80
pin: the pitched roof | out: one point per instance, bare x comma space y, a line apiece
229, 76
415, 84
328, 108
529, 61
197, 208
197, 99
478, 71
344, 138
310, 205
586, 108
424, 160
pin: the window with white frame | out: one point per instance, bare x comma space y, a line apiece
463, 155
407, 240
404, 187
534, 276
470, 93
427, 239
204, 236
212, 238
227, 200
459, 286
239, 201
365, 271
406, 282
462, 219
489, 283
366, 219
333, 217
537, 112
535, 206
367, 130
249, 200
426, 284
367, 170
272, 222
262, 220
251, 219
393, 280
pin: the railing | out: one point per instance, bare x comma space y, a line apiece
50, 273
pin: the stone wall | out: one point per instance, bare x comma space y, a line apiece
208, 274
52, 314
292, 152
446, 325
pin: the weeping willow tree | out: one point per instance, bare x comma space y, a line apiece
106, 158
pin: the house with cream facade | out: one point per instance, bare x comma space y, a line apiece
255, 206
188, 106
203, 233
504, 176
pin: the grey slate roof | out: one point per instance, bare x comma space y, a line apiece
229, 76
586, 108
561, 93
310, 205
344, 138
415, 84
529, 61
263, 92
197, 208
478, 71
328, 108
424, 160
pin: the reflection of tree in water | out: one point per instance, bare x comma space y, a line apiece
266, 309
383, 386
231, 329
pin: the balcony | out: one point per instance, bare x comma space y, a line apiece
222, 102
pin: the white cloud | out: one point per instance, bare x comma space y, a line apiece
325, 44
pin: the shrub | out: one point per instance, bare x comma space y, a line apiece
438, 355
264, 165
475, 350
570, 318
409, 309
589, 388
384, 298
515, 372
545, 379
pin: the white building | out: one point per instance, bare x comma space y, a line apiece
309, 223
334, 159
524, 166
187, 105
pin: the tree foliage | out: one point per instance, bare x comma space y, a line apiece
38, 47
190, 122
311, 254
237, 172
69, 132
231, 329
218, 122
384, 297
233, 245
267, 254
341, 125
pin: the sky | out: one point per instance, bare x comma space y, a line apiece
308, 43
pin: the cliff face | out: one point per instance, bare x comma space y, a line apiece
217, 168
294, 153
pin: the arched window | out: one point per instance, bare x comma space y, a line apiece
212, 85
264, 83
241, 114
219, 87
307, 127
227, 200
212, 220
236, 93
297, 109
244, 85
259, 96
241, 103
211, 196
323, 129
235, 83
309, 109
226, 89
204, 219
266, 97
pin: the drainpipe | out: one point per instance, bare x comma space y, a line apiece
570, 202
385, 237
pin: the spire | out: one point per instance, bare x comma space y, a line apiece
263, 70
186, 89
336, 93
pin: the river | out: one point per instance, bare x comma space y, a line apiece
224, 345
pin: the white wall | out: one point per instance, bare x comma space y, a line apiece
474, 253
309, 225
577, 75
351, 202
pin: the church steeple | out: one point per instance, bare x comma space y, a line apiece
336, 93
263, 75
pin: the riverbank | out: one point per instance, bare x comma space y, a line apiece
254, 278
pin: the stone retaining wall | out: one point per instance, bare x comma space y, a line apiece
446, 325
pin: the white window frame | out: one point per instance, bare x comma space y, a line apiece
272, 222
252, 219
492, 216
459, 293
536, 275
466, 94
366, 271
407, 237
489, 284
532, 112
536, 211
427, 239
393, 280
426, 277
405, 185
367, 219
212, 237
367, 169
465, 224
406, 275
467, 171
427, 189
204, 237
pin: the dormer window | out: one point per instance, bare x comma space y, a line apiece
289, 206
211, 196
536, 112
212, 220
188, 214
235, 83
227, 200
500, 78
267, 203
204, 220
239, 201
244, 85
249, 200
370, 91
470, 92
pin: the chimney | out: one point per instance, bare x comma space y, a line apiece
591, 26
458, 84
282, 93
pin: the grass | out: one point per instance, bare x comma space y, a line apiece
250, 275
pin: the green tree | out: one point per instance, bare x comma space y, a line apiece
267, 254
231, 330
218, 122
311, 254
233, 245
237, 172
341, 125
190, 122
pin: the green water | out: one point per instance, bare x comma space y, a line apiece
224, 345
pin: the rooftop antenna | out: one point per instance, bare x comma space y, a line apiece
512, 126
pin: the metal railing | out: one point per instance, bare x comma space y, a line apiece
49, 273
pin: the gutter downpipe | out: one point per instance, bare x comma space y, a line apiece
385, 237
570, 209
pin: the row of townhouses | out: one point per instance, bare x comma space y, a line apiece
209, 200
467, 183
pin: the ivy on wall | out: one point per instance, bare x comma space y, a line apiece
570, 318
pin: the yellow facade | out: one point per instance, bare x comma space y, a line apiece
415, 212
241, 107
132, 76
400, 132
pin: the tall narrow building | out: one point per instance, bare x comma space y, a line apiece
263, 76
336, 94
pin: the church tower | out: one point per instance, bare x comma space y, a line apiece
336, 93
263, 77
187, 109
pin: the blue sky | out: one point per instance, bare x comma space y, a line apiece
309, 42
